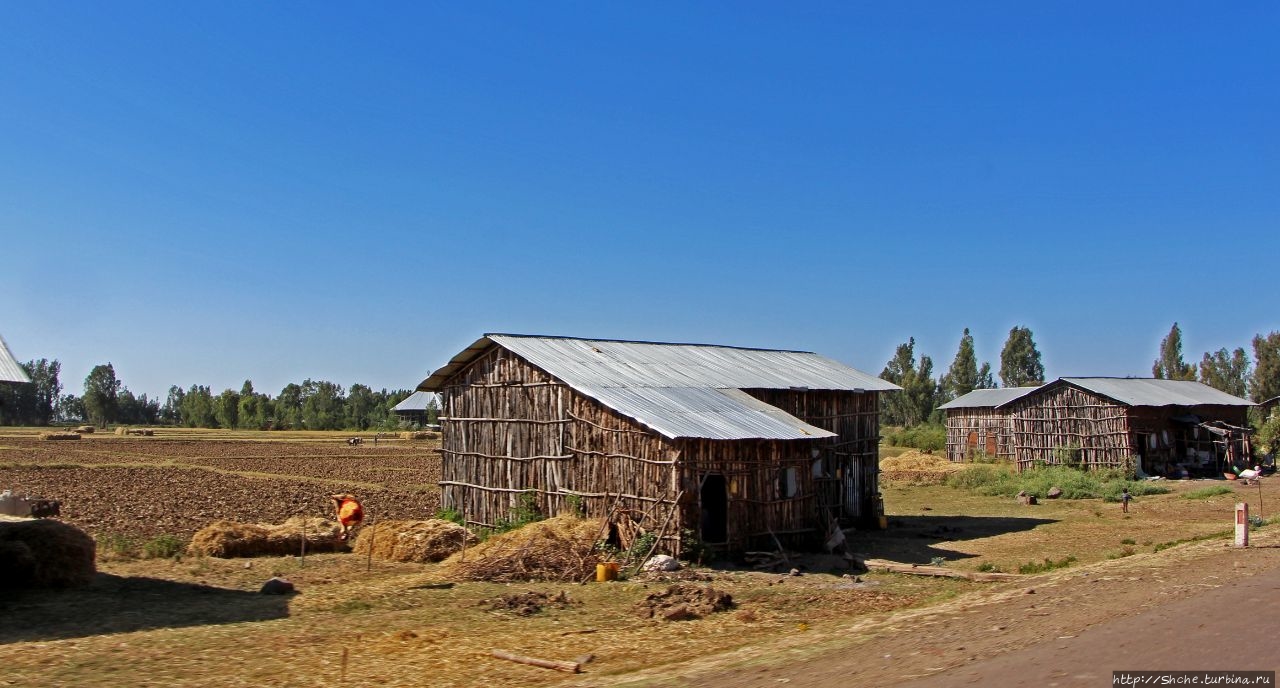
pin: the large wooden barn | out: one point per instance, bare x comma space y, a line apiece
1170, 426
732, 446
977, 423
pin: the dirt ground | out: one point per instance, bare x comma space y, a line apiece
178, 481
200, 621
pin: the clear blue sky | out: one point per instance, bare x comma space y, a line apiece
209, 192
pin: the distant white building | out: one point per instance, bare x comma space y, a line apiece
10, 371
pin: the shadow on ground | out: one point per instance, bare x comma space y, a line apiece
115, 604
914, 539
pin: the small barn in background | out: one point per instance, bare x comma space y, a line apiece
1099, 422
732, 446
413, 409
978, 425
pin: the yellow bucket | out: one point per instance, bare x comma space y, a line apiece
884, 522
606, 572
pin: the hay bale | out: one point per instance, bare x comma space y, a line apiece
417, 541
120, 430
557, 549
141, 432
419, 435
47, 554
59, 435
229, 539
85, 429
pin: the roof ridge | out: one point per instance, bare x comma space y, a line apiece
642, 341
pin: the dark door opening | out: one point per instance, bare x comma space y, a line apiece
715, 509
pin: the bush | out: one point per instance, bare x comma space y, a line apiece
927, 436
163, 547
1048, 565
1269, 434
1003, 481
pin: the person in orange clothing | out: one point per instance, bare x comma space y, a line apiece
350, 513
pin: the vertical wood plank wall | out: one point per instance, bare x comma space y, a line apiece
510, 429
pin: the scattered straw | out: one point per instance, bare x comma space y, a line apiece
917, 468
557, 549
416, 541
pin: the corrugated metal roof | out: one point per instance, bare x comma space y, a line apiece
1151, 392
988, 398
680, 390
10, 371
414, 402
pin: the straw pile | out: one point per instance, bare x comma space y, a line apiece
85, 429
557, 549
143, 432
419, 435
59, 435
416, 541
42, 553
917, 468
227, 539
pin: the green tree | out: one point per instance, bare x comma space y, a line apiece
1170, 365
962, 377
101, 394
71, 409
322, 405
46, 391
919, 395
360, 406
171, 412
197, 408
1227, 372
1020, 364
226, 409
288, 407
1265, 383
985, 379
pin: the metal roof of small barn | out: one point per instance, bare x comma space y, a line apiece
414, 402
1133, 391
10, 371
680, 390
988, 398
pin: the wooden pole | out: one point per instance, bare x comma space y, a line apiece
570, 667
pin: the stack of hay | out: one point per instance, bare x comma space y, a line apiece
917, 468
417, 541
227, 539
44, 554
85, 429
419, 435
557, 549
59, 435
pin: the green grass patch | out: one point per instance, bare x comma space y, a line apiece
1207, 492
163, 547
1047, 565
1125, 551
1220, 534
1002, 481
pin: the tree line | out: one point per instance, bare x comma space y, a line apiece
1020, 366
311, 405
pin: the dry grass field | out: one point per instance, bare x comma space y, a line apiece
200, 621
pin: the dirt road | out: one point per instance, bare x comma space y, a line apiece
1200, 606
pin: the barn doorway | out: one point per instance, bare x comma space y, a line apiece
715, 509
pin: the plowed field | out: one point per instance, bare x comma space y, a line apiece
177, 484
